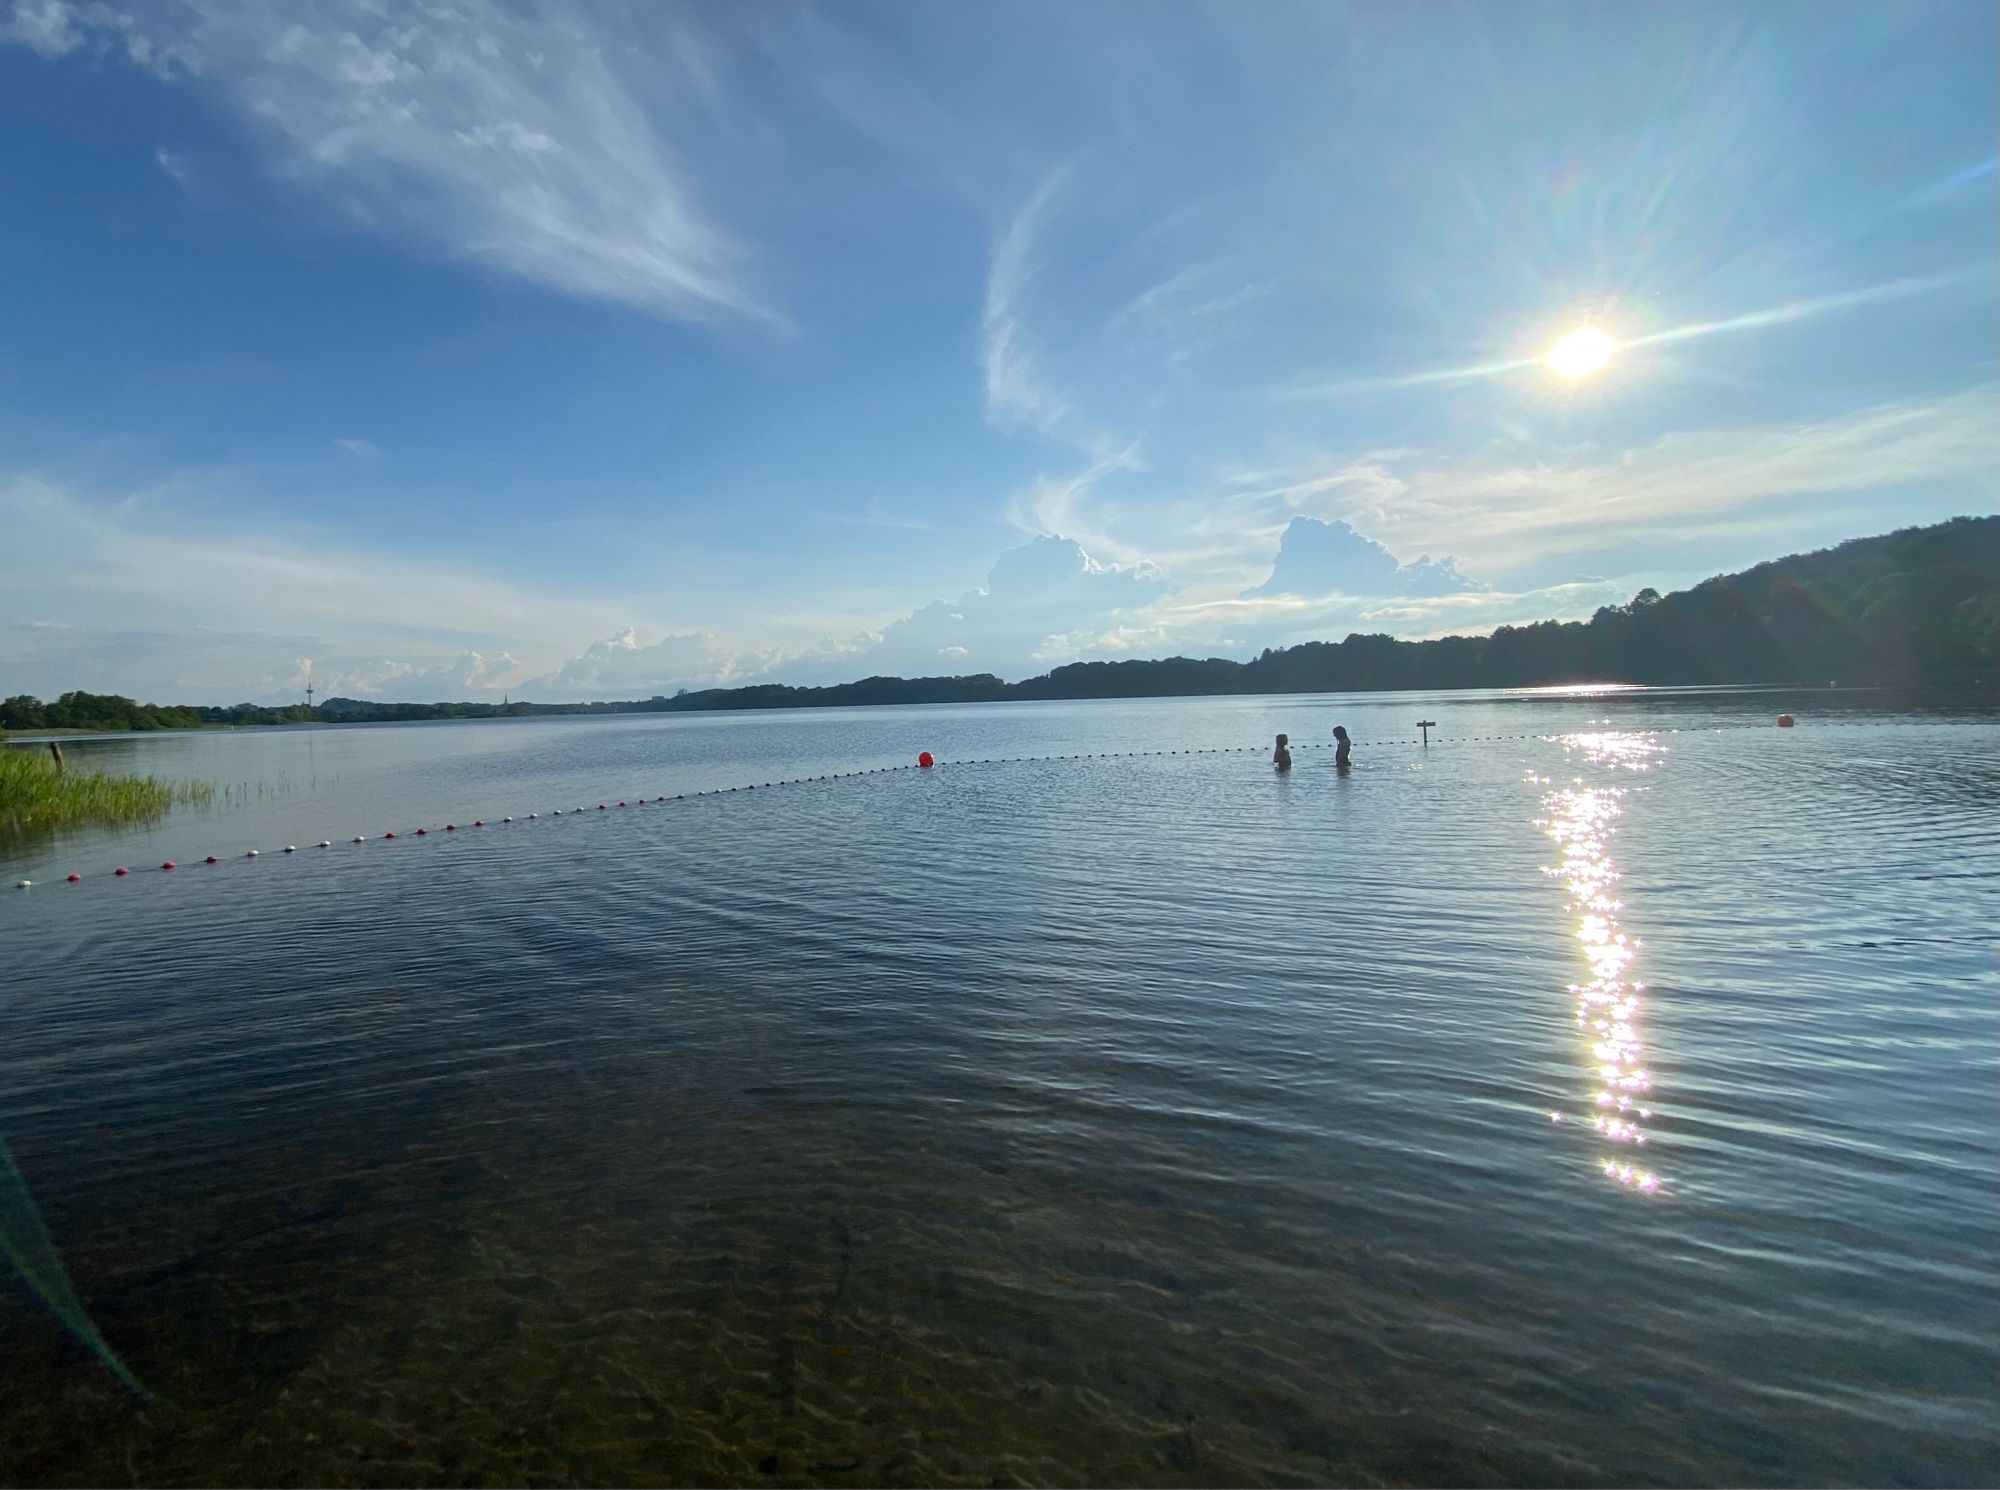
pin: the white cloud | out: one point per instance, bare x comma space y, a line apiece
1015, 393
515, 139
875, 516
1727, 490
1248, 623
1743, 480
621, 667
1318, 558
173, 164
468, 676
55, 28
360, 449
46, 27
1186, 313
192, 608
1047, 592
219, 609
1060, 504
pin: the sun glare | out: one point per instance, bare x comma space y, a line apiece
1580, 353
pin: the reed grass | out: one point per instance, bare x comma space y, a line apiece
36, 797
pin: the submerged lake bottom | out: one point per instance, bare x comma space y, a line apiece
1586, 1101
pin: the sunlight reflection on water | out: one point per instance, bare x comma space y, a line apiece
1582, 820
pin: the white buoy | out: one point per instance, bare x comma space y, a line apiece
251, 855
533, 815
360, 838
326, 843
506, 819
291, 848
24, 884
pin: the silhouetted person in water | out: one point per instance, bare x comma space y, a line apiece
1341, 747
1282, 756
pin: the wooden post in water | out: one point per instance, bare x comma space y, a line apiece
1427, 725
56, 751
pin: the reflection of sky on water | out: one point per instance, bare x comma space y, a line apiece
1582, 820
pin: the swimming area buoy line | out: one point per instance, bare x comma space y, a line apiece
926, 762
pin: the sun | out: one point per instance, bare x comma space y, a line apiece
1580, 353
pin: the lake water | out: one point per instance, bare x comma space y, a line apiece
1603, 1094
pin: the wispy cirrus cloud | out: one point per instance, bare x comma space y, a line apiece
126, 563
1861, 467
1015, 391
510, 138
1200, 292
1063, 505
874, 515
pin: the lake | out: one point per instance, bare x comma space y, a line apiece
1602, 1093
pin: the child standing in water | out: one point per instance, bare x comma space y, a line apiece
1281, 758
1341, 746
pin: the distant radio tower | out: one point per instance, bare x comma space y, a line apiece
309, 690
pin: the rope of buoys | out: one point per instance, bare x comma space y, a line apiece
927, 761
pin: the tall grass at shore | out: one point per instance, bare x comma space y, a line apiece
35, 796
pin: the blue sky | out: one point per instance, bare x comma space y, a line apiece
587, 350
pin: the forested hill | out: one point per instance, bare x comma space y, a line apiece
1917, 606
1920, 605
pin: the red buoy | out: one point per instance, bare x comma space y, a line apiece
479, 822
1785, 721
926, 760
600, 807
168, 865
121, 871
423, 832
211, 859
75, 878
451, 827
388, 835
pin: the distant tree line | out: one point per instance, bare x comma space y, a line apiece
111, 712
1917, 606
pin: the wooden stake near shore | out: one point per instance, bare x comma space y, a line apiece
55, 750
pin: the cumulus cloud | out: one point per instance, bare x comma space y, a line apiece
620, 666
467, 676
1325, 558
1047, 597
521, 140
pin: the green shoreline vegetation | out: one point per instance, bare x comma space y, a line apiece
1918, 606
37, 796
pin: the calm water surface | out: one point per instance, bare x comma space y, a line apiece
1604, 1094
